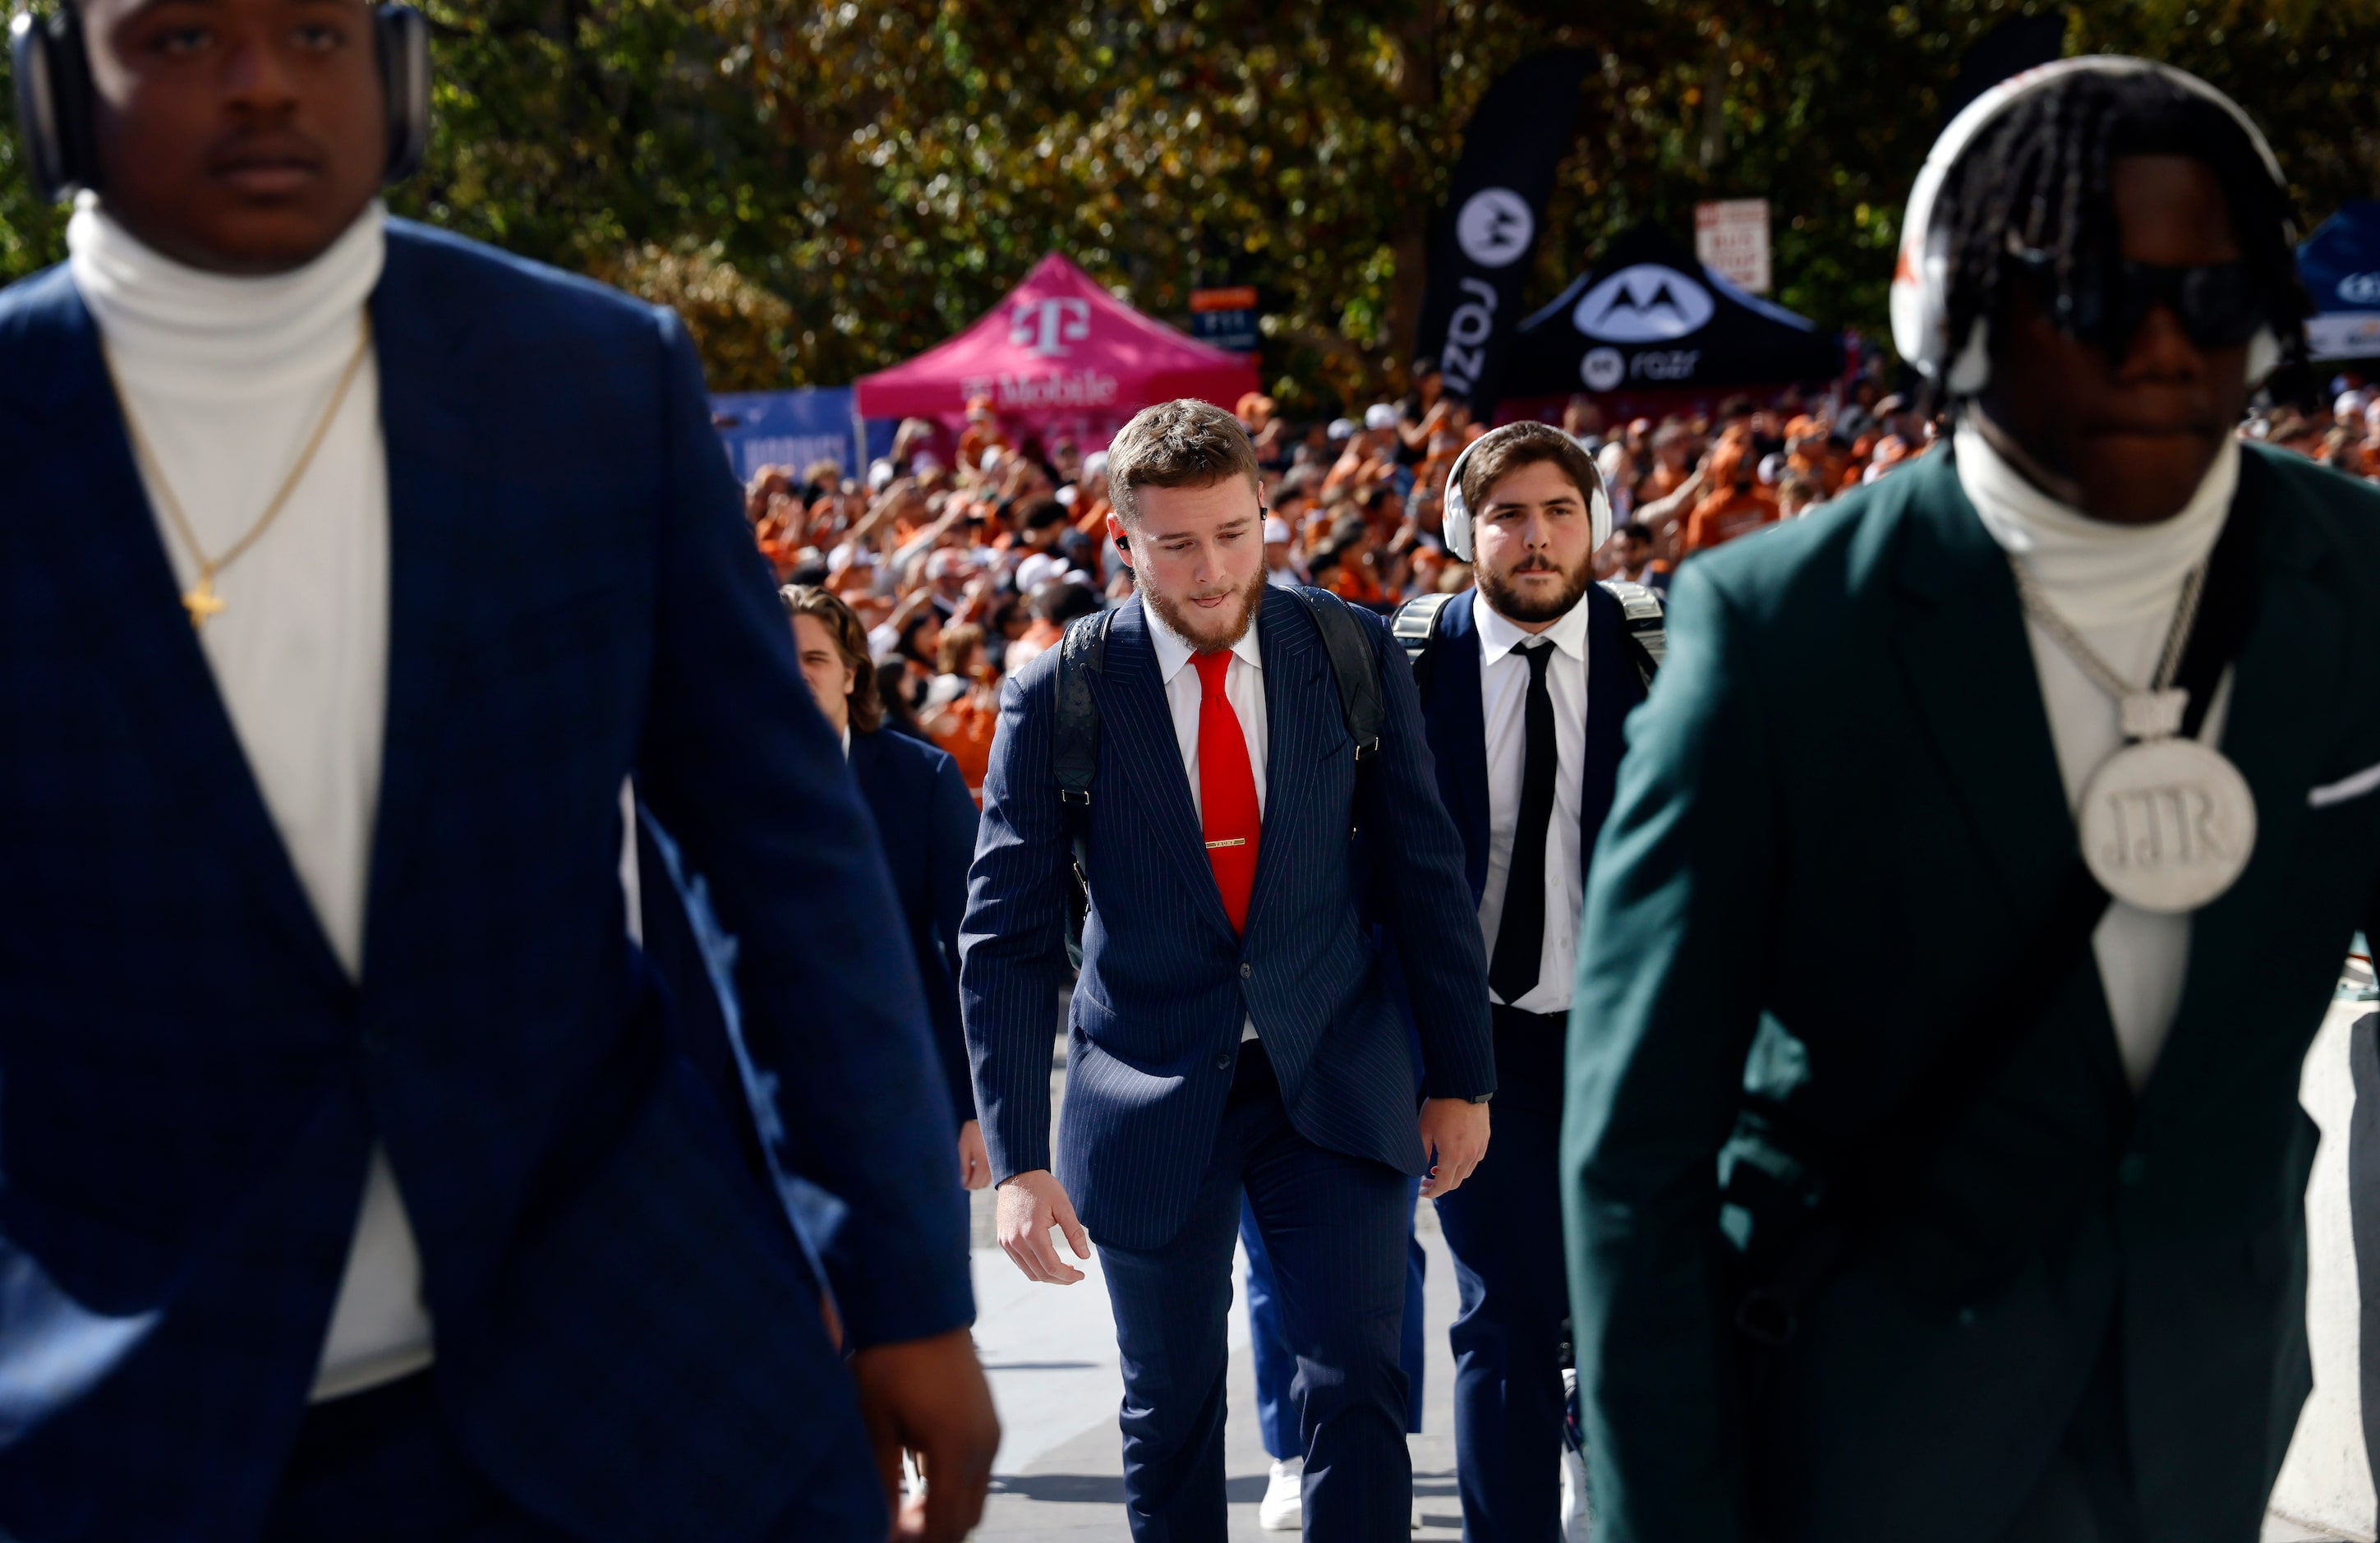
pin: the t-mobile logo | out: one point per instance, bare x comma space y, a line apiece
1047, 326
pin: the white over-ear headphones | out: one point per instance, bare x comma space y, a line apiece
1921, 301
1459, 518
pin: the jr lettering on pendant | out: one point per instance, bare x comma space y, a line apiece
2169, 826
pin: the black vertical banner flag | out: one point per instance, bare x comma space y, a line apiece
1483, 238
2016, 45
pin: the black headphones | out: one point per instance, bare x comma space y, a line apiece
54, 95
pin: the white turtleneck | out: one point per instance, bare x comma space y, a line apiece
2117, 585
226, 379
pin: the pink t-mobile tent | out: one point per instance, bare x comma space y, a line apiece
1060, 352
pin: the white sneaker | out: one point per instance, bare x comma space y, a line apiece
1284, 1503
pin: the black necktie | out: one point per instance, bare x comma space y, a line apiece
1521, 934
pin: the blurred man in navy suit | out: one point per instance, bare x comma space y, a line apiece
352, 1190
1231, 1029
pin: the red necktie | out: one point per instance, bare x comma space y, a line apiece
1227, 790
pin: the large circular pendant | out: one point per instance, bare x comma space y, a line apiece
2167, 825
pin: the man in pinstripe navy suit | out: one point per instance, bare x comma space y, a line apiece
1230, 1030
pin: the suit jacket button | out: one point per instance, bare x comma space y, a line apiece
2133, 1168
1222, 1062
1246, 970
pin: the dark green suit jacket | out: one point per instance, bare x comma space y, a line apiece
1840, 811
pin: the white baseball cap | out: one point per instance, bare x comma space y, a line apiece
1342, 428
1276, 529
1381, 414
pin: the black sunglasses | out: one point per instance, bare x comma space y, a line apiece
2216, 303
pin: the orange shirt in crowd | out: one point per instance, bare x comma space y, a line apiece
780, 539
1726, 514
1353, 581
1731, 510
977, 438
967, 725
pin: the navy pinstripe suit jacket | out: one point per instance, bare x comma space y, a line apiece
189, 1084
1166, 984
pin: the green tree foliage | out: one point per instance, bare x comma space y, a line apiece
826, 188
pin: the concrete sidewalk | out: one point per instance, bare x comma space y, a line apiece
1051, 1353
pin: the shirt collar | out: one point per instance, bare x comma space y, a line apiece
1173, 650
1498, 635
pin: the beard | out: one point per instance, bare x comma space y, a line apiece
1515, 605
1208, 631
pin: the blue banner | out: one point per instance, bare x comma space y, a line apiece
2340, 264
790, 428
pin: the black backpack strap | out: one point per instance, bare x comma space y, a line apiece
1641, 627
1074, 756
1074, 750
1414, 627
1352, 662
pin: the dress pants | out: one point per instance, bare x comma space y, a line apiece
1504, 1229
1335, 1228
1276, 1368
383, 1466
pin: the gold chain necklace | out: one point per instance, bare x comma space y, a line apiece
200, 599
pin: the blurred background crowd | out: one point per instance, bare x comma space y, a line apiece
966, 555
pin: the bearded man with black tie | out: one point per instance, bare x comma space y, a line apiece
1525, 682
1231, 1029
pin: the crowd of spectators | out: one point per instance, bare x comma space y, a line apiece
966, 554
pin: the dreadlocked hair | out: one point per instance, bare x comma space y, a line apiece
2038, 176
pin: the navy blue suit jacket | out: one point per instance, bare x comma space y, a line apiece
1458, 727
1165, 983
926, 818
627, 1340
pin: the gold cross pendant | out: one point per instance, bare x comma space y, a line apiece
202, 603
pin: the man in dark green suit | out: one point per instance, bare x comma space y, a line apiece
2068, 1302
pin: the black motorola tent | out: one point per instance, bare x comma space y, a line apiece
1650, 325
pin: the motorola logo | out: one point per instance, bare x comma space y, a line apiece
1495, 227
1644, 303
1602, 369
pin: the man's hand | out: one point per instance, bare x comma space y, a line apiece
974, 1163
929, 1396
1030, 1204
1454, 1136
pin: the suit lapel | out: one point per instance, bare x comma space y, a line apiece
1613, 689
89, 510
2282, 722
1461, 714
1297, 720
1969, 667
1141, 736
436, 483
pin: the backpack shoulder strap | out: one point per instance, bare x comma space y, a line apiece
1414, 627
1352, 662
1075, 749
1641, 625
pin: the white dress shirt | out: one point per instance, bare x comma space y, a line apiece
226, 379
2117, 585
1242, 687
1503, 701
